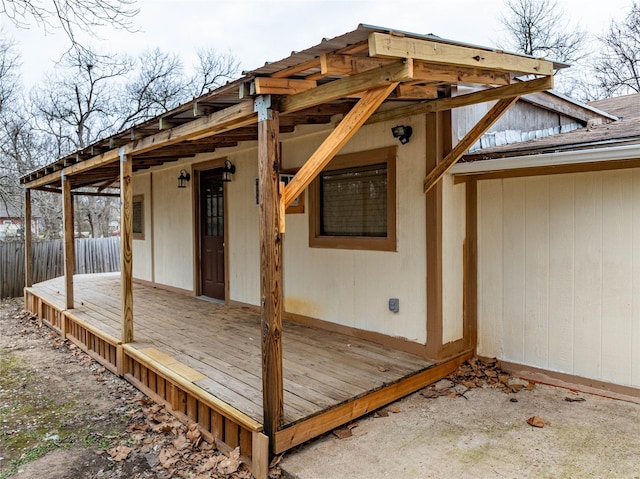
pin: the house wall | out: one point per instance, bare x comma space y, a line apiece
559, 273
172, 229
346, 287
453, 243
142, 248
352, 287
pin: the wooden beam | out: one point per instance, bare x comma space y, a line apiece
28, 252
392, 46
348, 127
334, 64
281, 86
270, 270
450, 103
69, 247
469, 139
308, 65
96, 193
345, 87
126, 245
450, 74
416, 92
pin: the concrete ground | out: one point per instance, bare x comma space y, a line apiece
482, 434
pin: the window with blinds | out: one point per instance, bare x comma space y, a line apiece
352, 202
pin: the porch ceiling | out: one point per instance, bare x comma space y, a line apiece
311, 87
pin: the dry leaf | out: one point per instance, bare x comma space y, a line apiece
531, 386
535, 421
230, 464
381, 413
383, 369
119, 453
575, 399
211, 463
394, 409
342, 433
181, 442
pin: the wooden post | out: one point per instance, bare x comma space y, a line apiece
270, 267
126, 245
28, 253
69, 249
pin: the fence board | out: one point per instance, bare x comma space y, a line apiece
93, 255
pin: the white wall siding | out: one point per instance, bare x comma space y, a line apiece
559, 273
243, 234
173, 230
142, 248
453, 242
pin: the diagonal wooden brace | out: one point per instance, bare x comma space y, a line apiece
348, 127
469, 139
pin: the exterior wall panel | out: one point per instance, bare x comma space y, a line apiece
142, 251
564, 250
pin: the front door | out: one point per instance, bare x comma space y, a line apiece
212, 234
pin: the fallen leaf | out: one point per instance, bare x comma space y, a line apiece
342, 433
230, 464
381, 413
394, 409
575, 399
382, 369
120, 452
535, 421
531, 386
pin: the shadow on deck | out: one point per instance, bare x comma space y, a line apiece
203, 360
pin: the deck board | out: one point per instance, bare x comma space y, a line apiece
322, 369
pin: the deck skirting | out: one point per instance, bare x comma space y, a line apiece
218, 422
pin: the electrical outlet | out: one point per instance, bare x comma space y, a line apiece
394, 305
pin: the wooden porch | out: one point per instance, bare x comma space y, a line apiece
203, 360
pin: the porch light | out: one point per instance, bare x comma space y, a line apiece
402, 133
183, 178
228, 170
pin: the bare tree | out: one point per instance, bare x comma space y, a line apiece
76, 105
71, 15
539, 28
213, 70
157, 86
618, 66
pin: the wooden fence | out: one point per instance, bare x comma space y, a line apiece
93, 255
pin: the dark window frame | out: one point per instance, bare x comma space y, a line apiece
356, 160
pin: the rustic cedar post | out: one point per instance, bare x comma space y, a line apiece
28, 255
126, 245
69, 247
270, 266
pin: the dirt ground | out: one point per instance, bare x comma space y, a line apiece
63, 416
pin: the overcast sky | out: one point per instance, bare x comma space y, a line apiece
256, 31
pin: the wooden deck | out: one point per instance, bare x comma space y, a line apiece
195, 354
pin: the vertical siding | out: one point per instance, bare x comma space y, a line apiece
564, 252
490, 268
173, 230
142, 248
242, 226
453, 236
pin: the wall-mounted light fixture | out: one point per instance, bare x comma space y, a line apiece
402, 133
183, 178
228, 170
